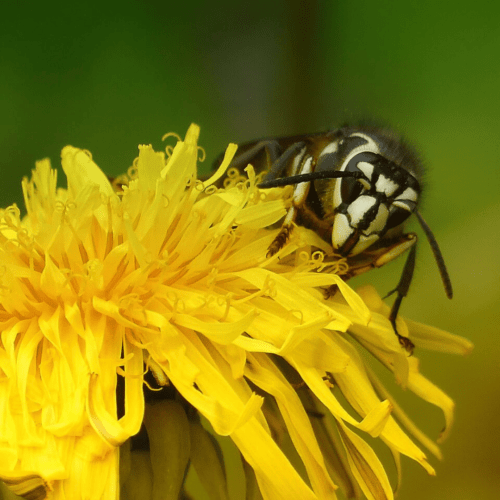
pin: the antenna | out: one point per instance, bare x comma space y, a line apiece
445, 277
313, 176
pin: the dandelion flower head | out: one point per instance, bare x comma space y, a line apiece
168, 276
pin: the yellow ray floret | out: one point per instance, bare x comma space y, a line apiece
169, 275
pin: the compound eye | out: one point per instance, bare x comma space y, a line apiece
350, 190
362, 166
396, 217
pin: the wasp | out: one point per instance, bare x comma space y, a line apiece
356, 187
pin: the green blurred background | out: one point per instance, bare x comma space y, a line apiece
108, 76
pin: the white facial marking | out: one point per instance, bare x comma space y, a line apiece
408, 194
359, 207
363, 243
402, 204
385, 185
341, 230
378, 223
369, 147
364, 183
337, 197
366, 168
329, 149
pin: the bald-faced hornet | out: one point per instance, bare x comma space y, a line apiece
355, 187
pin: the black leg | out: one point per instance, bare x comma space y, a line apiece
276, 171
402, 291
270, 147
280, 163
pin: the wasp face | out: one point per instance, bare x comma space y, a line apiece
378, 199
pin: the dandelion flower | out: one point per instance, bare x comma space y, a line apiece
168, 276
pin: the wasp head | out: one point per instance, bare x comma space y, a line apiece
377, 199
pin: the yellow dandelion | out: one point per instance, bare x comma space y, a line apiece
168, 277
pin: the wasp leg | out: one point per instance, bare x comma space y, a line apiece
402, 291
280, 163
270, 147
407, 241
285, 231
299, 194
382, 257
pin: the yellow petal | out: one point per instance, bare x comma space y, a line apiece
365, 466
81, 172
265, 375
432, 338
